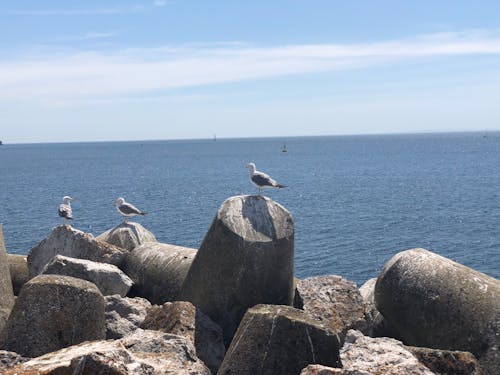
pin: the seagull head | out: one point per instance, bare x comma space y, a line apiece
67, 199
119, 201
251, 167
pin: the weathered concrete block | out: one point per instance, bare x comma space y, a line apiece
6, 291
277, 340
245, 259
65, 240
19, 273
54, 312
124, 315
437, 303
108, 278
127, 235
158, 270
334, 301
184, 319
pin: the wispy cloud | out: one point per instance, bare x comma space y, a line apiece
133, 71
76, 11
85, 36
160, 3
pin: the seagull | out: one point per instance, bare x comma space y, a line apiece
65, 209
261, 180
127, 210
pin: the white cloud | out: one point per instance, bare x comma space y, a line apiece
142, 70
160, 3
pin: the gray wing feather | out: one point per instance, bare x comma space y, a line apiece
129, 209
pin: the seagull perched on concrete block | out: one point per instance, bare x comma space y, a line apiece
127, 210
262, 180
65, 210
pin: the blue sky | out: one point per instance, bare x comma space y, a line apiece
135, 70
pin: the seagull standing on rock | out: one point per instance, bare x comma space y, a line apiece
262, 180
127, 210
65, 210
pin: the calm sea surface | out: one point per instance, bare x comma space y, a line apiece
356, 200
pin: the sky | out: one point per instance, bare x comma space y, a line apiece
178, 69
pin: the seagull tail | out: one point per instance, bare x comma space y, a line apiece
143, 213
280, 186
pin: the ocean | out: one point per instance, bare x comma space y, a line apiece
356, 200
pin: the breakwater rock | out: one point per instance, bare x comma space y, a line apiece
6, 291
127, 235
19, 272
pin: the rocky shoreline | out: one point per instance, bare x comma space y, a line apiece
122, 303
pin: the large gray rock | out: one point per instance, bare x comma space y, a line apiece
158, 270
127, 235
54, 312
184, 319
145, 352
19, 272
65, 240
334, 301
124, 315
6, 291
437, 303
108, 278
277, 340
379, 356
245, 259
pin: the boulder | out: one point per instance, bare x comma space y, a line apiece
108, 278
334, 301
382, 355
127, 235
446, 361
6, 291
324, 370
276, 340
124, 315
145, 352
437, 303
54, 312
184, 319
19, 272
245, 259
65, 240
9, 360
158, 270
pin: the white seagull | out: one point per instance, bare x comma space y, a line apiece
65, 210
262, 180
127, 210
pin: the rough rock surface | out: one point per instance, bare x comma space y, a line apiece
124, 315
54, 312
334, 301
65, 240
437, 303
184, 319
379, 356
19, 272
324, 370
127, 236
108, 278
6, 291
277, 339
9, 360
246, 258
158, 270
144, 352
446, 362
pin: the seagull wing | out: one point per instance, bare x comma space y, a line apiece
129, 209
65, 211
262, 179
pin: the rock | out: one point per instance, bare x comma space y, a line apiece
378, 326
379, 356
184, 319
65, 240
245, 259
277, 339
437, 303
158, 270
334, 301
54, 312
9, 360
108, 278
446, 362
19, 272
6, 291
323, 370
127, 236
124, 315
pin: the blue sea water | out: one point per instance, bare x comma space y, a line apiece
356, 200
